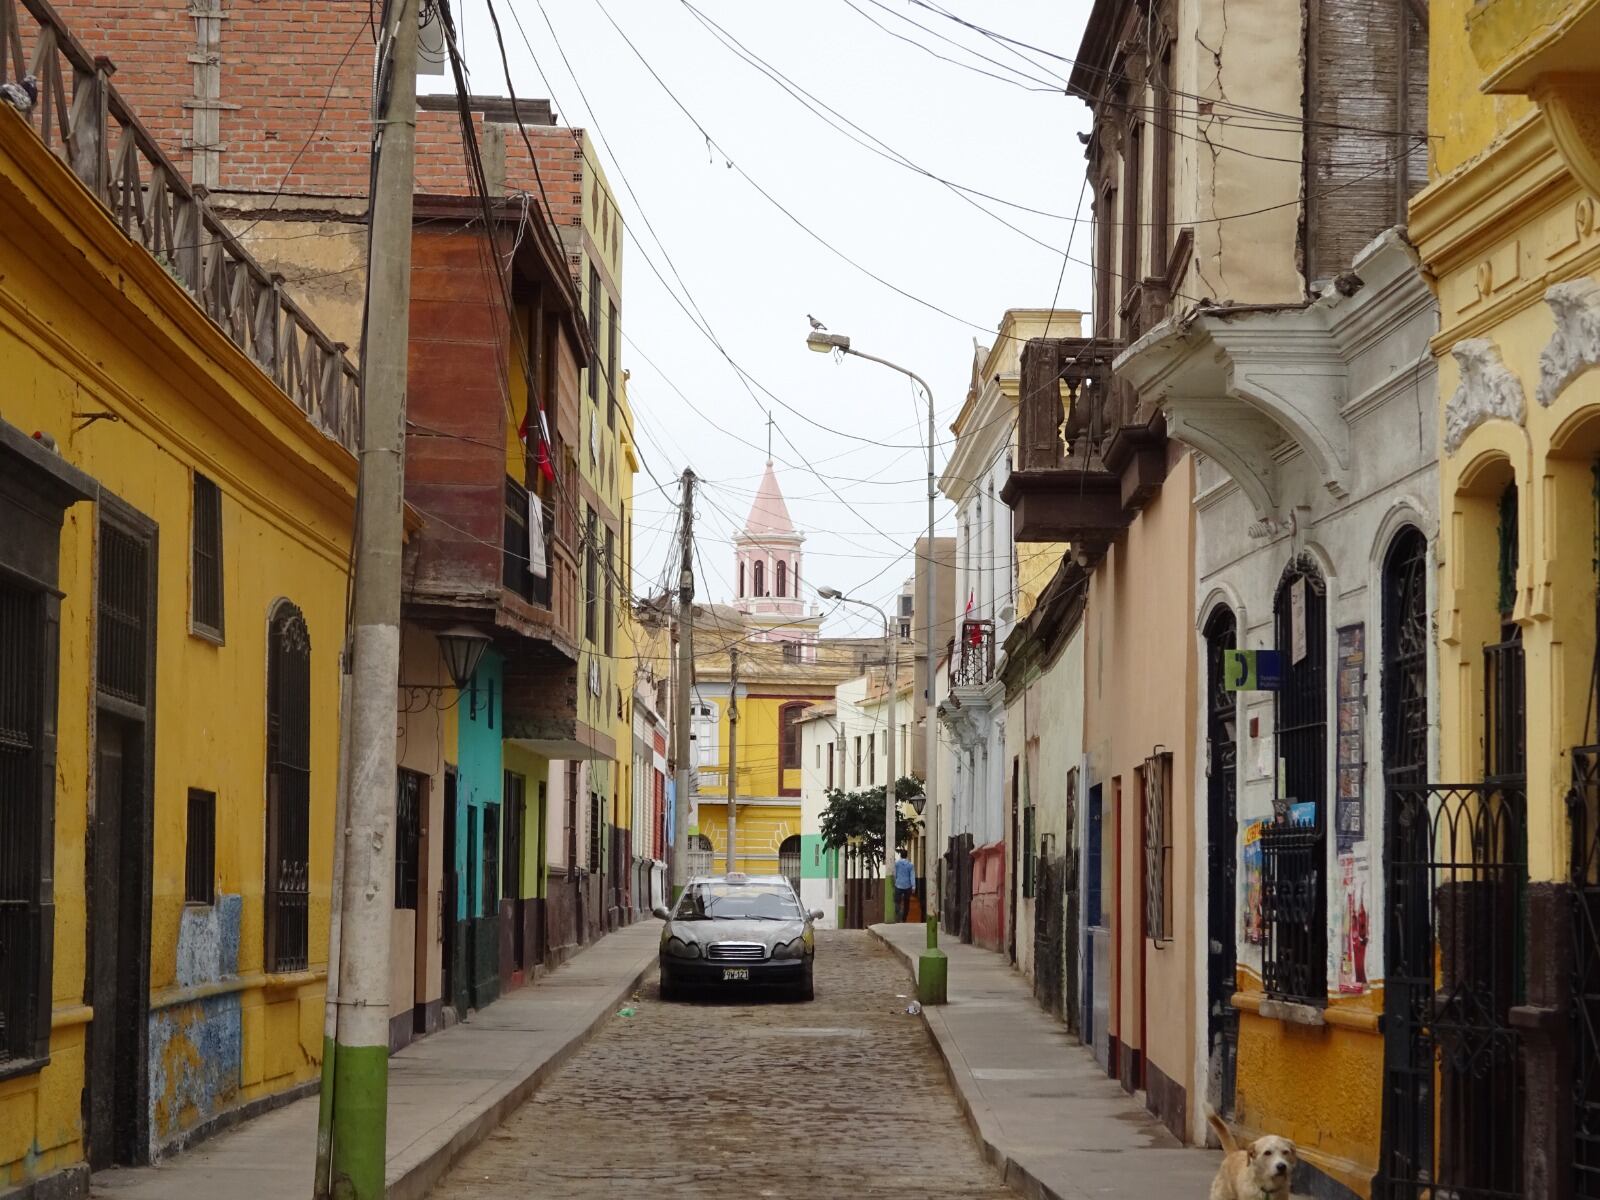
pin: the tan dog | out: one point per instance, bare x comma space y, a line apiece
1260, 1171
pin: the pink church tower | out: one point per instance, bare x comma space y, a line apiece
769, 572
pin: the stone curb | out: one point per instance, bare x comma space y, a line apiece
413, 1175
980, 1118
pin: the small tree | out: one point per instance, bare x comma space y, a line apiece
852, 815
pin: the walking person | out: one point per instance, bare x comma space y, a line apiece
905, 882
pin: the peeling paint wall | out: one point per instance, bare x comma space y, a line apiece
197, 1047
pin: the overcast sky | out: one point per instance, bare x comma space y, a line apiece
755, 274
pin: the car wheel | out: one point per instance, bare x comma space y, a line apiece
669, 988
807, 989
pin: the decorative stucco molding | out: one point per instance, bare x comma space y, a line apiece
1575, 347
1488, 389
1570, 101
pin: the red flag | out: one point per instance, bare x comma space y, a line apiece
546, 467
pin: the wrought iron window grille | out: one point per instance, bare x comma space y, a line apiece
1157, 778
1294, 874
206, 607
288, 866
23, 688
200, 849
410, 789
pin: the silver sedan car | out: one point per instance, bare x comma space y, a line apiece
733, 931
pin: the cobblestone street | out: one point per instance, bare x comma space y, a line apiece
840, 1097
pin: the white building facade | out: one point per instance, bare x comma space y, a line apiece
1316, 526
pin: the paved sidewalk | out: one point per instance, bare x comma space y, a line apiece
1040, 1106
446, 1092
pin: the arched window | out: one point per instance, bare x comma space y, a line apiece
789, 735
760, 576
703, 719
794, 578
789, 861
1505, 742
1294, 966
288, 867
1405, 659
783, 578
741, 581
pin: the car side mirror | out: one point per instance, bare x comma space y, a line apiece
818, 914
660, 911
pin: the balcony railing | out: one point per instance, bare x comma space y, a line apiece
98, 137
1066, 407
972, 657
1062, 488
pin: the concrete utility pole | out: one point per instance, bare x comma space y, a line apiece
680, 800
733, 760
360, 1075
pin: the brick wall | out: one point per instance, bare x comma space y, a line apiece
300, 71
295, 82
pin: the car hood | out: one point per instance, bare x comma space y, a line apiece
768, 933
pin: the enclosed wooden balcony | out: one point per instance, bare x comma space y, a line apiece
1062, 488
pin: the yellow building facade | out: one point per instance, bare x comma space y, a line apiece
1509, 228
176, 641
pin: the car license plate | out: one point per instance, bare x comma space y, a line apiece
735, 974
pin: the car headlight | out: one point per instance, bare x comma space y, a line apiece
678, 948
790, 950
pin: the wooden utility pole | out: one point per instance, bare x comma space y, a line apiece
733, 760
359, 1108
680, 799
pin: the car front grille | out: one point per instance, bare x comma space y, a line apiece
736, 952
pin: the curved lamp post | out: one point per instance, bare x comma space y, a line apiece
932, 976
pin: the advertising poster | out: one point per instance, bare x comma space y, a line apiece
1254, 922
1349, 804
1354, 879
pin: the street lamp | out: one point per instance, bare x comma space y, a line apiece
823, 342
933, 967
890, 797
462, 647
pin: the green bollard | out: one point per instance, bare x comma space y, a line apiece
933, 970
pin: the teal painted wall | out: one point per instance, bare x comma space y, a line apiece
816, 860
479, 766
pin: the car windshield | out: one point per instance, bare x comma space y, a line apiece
736, 902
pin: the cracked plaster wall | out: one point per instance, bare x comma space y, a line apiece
1243, 52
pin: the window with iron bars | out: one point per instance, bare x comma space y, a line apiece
1294, 878
516, 808
1030, 851
205, 584
610, 571
1156, 776
200, 849
611, 363
26, 679
288, 866
594, 330
591, 574
410, 789
491, 860
597, 815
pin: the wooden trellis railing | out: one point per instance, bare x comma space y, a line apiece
83, 121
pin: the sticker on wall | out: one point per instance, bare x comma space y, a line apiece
1352, 920
1251, 913
1349, 798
